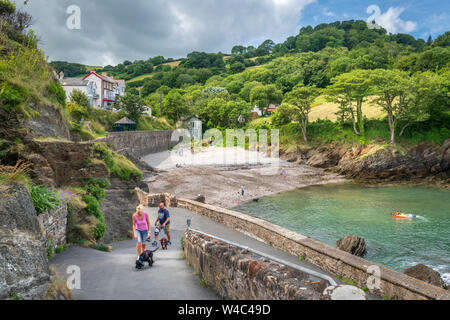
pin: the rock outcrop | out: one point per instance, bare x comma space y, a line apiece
24, 269
353, 244
200, 198
118, 208
59, 163
381, 163
424, 273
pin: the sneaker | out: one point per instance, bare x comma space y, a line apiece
169, 243
155, 244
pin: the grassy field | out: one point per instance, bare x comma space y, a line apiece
327, 111
141, 77
172, 64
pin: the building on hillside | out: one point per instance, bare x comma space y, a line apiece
125, 124
194, 125
122, 86
88, 87
110, 89
257, 110
271, 109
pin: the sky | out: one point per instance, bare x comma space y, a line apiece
111, 31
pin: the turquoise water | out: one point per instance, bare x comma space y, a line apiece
327, 213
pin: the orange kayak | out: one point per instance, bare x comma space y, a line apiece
403, 216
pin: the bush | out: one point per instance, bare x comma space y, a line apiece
99, 230
93, 207
43, 199
57, 93
118, 164
95, 187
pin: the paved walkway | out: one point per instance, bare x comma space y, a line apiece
113, 276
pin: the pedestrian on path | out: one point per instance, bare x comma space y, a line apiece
141, 229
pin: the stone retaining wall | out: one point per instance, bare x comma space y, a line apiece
53, 226
235, 274
393, 284
139, 143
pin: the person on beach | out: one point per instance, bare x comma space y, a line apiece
141, 229
163, 223
283, 173
242, 191
238, 198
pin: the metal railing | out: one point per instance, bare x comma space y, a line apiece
265, 255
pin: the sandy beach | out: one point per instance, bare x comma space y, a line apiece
219, 173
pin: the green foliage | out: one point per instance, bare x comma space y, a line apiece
57, 93
93, 207
100, 247
96, 188
80, 98
43, 199
118, 164
182, 243
61, 248
132, 105
50, 250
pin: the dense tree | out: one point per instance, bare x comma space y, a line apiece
302, 98
264, 95
175, 105
355, 86
133, 106
393, 89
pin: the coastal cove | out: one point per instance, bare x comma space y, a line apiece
327, 213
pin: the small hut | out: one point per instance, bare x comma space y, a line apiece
125, 124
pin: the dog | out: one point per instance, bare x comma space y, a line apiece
164, 243
146, 256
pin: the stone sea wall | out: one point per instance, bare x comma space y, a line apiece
393, 284
235, 274
140, 143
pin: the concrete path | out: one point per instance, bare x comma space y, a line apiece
112, 275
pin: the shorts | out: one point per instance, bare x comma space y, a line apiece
166, 228
142, 235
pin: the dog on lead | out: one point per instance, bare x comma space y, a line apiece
146, 256
164, 243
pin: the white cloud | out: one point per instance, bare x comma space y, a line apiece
390, 20
328, 13
115, 30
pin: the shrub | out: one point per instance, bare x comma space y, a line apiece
99, 230
93, 207
61, 248
57, 93
43, 199
95, 187
118, 164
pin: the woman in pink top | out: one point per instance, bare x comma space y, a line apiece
141, 228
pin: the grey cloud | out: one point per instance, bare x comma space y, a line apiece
115, 30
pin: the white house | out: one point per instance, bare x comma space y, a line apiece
86, 86
110, 90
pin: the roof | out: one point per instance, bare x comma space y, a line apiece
104, 78
125, 120
74, 82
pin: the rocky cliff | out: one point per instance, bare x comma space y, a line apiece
24, 269
422, 163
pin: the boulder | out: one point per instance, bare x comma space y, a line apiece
24, 269
343, 292
353, 244
200, 198
424, 273
143, 186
